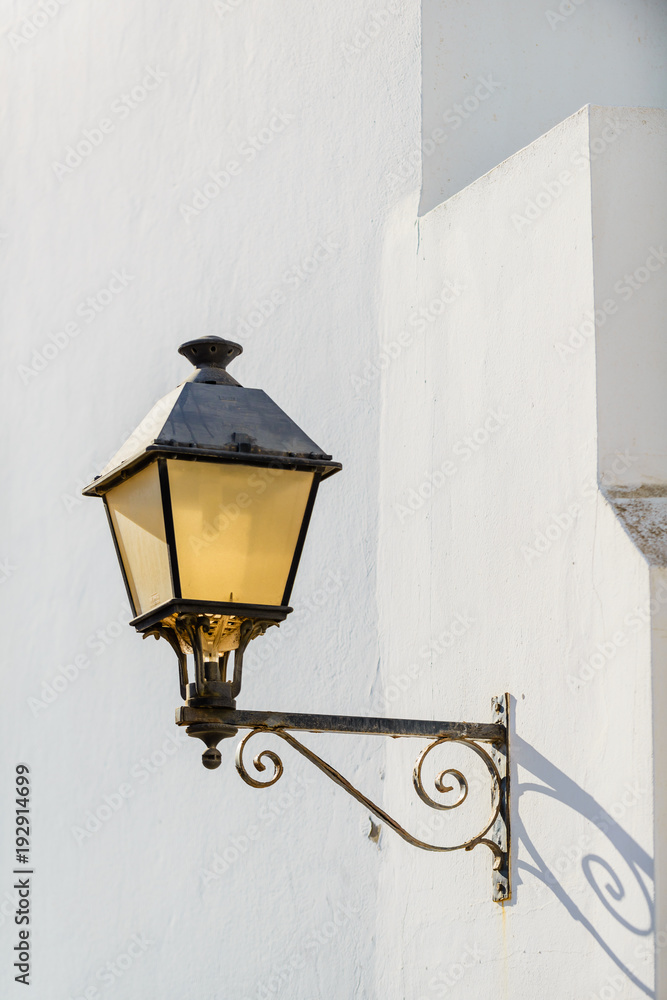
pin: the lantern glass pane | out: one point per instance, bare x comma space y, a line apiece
236, 529
138, 522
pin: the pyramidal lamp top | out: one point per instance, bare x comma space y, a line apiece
209, 499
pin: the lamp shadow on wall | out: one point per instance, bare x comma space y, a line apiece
601, 876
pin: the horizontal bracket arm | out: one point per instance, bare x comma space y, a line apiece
214, 724
272, 721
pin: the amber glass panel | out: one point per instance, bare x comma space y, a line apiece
236, 529
136, 514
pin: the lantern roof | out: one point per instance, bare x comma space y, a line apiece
211, 417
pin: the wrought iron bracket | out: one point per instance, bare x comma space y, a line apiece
489, 741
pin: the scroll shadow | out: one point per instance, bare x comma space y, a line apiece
558, 786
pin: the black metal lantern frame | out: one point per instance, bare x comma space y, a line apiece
180, 605
186, 623
211, 419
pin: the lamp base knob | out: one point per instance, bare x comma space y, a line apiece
211, 733
211, 758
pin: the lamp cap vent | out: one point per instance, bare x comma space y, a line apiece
210, 356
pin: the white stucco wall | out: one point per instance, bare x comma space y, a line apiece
229, 72
629, 238
498, 75
490, 511
308, 906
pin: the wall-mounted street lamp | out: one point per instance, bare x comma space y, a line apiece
209, 503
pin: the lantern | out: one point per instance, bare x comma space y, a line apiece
209, 502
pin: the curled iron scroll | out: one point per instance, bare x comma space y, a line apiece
468, 845
258, 763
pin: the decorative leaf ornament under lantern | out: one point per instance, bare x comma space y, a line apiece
209, 502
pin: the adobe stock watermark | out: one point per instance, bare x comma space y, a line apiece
228, 513
419, 321
646, 952
612, 987
560, 524
296, 275
219, 178
239, 845
447, 978
453, 118
132, 437
224, 7
565, 9
141, 771
281, 975
550, 191
28, 29
88, 309
625, 288
458, 626
606, 650
8, 906
374, 25
97, 642
260, 653
462, 452
568, 858
7, 570
109, 973
121, 108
